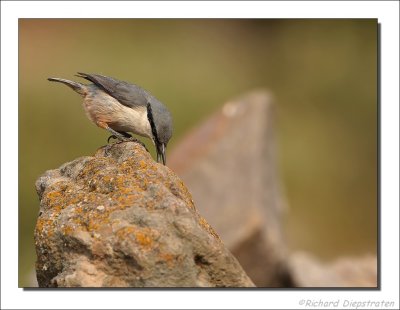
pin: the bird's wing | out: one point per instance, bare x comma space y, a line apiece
127, 94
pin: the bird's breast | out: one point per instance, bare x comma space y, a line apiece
132, 120
101, 107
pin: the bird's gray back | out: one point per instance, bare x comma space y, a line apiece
127, 94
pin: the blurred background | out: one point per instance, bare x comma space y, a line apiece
323, 74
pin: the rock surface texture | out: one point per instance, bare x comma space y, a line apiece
118, 219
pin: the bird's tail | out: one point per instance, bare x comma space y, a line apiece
78, 87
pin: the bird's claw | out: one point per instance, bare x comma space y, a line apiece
111, 137
126, 139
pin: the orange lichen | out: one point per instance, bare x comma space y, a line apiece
142, 164
125, 232
203, 223
42, 223
143, 236
143, 239
168, 258
122, 185
53, 195
67, 230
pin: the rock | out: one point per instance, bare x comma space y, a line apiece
228, 163
118, 219
308, 271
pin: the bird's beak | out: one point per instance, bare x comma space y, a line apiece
161, 156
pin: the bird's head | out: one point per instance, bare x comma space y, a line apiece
161, 124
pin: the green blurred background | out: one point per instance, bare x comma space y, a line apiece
323, 74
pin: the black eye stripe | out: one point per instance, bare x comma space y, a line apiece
152, 125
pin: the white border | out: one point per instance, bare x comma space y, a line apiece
12, 297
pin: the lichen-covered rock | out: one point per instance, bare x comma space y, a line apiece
118, 219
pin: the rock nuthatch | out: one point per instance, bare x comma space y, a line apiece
121, 107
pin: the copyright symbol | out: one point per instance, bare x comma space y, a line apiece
301, 302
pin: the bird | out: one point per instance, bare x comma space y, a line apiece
121, 107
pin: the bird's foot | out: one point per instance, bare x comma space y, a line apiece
127, 138
122, 136
111, 137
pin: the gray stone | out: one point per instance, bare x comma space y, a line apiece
308, 271
118, 219
229, 164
